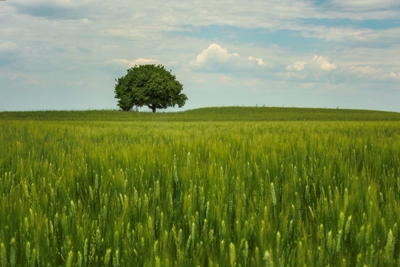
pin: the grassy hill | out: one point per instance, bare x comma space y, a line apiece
211, 114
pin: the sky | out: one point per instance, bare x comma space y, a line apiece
66, 54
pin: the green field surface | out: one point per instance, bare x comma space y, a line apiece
211, 114
208, 187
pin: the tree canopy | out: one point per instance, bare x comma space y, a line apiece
149, 85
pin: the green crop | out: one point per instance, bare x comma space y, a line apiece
245, 114
76, 193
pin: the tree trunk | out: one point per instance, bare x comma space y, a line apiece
152, 107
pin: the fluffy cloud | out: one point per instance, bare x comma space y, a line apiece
392, 76
217, 59
131, 63
322, 63
317, 63
259, 61
316, 69
297, 66
142, 61
320, 68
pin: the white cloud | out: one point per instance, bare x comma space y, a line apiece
9, 47
352, 35
317, 68
259, 61
317, 63
365, 70
367, 74
214, 54
218, 59
392, 76
131, 63
142, 61
338, 34
323, 63
297, 66
361, 73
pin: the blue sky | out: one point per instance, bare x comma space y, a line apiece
66, 54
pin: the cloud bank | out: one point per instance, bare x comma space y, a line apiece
53, 50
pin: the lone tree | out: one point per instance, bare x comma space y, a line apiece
149, 85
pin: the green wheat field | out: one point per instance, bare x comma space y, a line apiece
231, 186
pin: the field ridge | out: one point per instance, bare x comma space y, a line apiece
233, 113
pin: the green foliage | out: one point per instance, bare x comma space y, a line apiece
149, 85
79, 193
